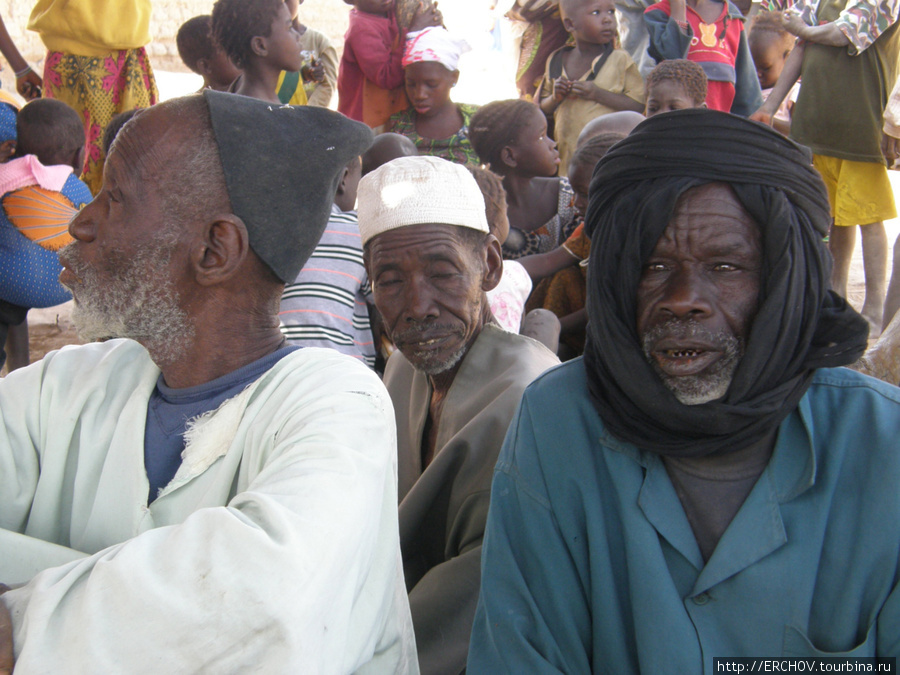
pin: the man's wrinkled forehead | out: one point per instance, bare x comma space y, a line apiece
149, 147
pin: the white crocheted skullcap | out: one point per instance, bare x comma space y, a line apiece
417, 191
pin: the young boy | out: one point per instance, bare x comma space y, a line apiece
711, 33
370, 79
203, 55
770, 45
40, 192
320, 62
591, 79
259, 38
675, 85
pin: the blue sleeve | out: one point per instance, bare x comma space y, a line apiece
75, 190
533, 614
29, 273
747, 94
667, 40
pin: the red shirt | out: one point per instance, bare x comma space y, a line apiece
371, 52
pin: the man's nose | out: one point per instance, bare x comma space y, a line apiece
419, 302
687, 294
81, 227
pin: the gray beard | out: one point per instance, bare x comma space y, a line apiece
703, 387
138, 302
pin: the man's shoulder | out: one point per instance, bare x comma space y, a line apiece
500, 351
843, 383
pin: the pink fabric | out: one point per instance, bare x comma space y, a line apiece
28, 170
507, 300
434, 44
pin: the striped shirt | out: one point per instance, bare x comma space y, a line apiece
327, 304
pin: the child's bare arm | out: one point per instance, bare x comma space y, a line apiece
540, 265
827, 34
561, 88
786, 80
590, 91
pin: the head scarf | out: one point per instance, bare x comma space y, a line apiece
434, 44
284, 201
419, 190
800, 325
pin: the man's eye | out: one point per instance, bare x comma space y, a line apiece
725, 267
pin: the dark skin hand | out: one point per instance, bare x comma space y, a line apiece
7, 660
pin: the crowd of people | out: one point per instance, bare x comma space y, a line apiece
378, 381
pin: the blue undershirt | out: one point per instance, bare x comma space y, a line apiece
170, 409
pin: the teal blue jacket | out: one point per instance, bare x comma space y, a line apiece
589, 563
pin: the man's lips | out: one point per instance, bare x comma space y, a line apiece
679, 358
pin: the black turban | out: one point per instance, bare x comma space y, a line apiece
800, 325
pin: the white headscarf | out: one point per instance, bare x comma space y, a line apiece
434, 44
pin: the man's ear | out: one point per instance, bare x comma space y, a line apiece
341, 188
493, 264
219, 250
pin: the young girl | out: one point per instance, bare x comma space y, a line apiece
511, 137
770, 45
437, 125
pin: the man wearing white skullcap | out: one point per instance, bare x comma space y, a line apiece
455, 382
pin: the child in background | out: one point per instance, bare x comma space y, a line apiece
259, 38
511, 137
320, 60
770, 45
203, 55
438, 126
711, 33
370, 78
41, 192
507, 299
675, 85
327, 305
564, 293
592, 78
386, 147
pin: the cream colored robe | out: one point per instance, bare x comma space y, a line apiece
274, 549
443, 510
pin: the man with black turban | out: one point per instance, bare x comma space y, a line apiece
704, 483
199, 497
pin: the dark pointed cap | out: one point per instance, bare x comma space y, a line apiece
282, 166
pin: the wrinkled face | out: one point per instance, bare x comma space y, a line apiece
429, 288
580, 180
769, 54
535, 152
124, 267
428, 85
284, 42
666, 96
593, 21
698, 294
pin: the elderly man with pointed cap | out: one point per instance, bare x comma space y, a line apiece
195, 496
455, 382
705, 482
